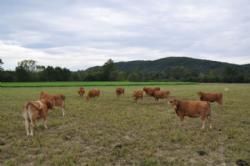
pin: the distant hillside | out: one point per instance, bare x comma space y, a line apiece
178, 69
159, 65
171, 62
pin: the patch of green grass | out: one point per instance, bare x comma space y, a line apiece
94, 83
112, 131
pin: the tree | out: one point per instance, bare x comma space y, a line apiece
28, 65
22, 74
1, 62
108, 68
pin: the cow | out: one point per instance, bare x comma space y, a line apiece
160, 94
138, 94
93, 93
211, 97
34, 111
58, 100
150, 91
81, 91
192, 109
119, 91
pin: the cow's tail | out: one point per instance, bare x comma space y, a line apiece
27, 113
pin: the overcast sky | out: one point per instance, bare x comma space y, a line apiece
78, 34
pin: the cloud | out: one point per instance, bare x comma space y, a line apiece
79, 34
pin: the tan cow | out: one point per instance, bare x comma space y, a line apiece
119, 91
34, 111
58, 100
138, 94
150, 91
192, 109
161, 94
211, 97
93, 93
81, 91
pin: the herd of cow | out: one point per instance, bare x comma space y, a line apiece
35, 110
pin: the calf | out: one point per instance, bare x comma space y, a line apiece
211, 97
193, 109
33, 111
93, 93
57, 100
119, 91
81, 91
161, 94
138, 95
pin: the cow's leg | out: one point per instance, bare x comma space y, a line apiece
203, 119
63, 111
210, 121
45, 123
32, 125
26, 124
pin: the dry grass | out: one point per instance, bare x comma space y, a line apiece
111, 131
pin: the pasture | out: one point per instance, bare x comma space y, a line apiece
112, 131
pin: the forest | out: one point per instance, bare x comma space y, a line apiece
166, 69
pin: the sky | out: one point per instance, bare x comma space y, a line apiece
78, 34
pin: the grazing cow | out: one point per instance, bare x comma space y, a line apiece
93, 93
211, 97
161, 94
193, 109
119, 91
57, 100
81, 91
150, 91
33, 111
138, 94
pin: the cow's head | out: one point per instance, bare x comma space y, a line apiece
174, 103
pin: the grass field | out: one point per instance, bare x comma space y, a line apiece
111, 131
95, 83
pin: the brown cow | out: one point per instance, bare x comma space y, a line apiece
81, 91
138, 94
93, 93
193, 109
33, 111
160, 94
119, 91
58, 100
150, 91
211, 97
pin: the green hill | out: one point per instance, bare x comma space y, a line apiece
173, 62
178, 69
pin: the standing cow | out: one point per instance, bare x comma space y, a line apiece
81, 91
93, 93
138, 94
119, 91
193, 109
211, 97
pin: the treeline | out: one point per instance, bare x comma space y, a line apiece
29, 71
